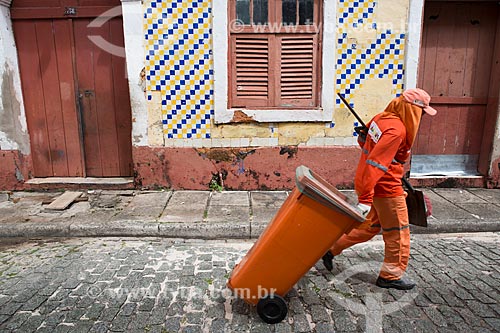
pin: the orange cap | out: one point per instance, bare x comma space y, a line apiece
421, 98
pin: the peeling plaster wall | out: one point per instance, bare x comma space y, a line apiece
155, 125
177, 142
494, 173
241, 168
494, 167
15, 161
414, 33
13, 127
181, 145
369, 63
133, 14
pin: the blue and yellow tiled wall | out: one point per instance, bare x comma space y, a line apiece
380, 56
383, 57
179, 64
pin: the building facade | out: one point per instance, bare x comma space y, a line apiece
238, 93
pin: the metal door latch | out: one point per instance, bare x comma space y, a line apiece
69, 11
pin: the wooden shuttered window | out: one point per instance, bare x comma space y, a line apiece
297, 71
250, 68
274, 54
274, 70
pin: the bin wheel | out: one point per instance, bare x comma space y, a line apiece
272, 309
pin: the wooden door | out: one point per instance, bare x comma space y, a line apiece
76, 97
455, 66
46, 63
104, 100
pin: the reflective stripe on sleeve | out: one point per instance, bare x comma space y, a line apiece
377, 165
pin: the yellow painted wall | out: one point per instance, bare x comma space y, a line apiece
369, 67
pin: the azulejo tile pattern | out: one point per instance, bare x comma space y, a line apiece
178, 39
382, 58
179, 64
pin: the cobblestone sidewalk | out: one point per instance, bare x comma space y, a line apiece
158, 285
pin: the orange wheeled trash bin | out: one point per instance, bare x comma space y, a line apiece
310, 220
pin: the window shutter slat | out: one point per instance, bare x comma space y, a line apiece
297, 70
275, 68
251, 70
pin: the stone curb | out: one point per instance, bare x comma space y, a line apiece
457, 226
201, 230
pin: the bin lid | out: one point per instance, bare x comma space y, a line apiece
318, 189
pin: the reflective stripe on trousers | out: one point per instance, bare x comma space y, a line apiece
391, 216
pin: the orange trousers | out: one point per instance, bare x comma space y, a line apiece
391, 216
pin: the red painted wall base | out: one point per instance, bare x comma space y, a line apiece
241, 168
494, 179
15, 168
233, 168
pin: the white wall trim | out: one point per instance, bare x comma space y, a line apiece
5, 3
132, 13
328, 58
9, 61
414, 36
220, 55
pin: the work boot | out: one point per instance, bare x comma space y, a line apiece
328, 260
401, 284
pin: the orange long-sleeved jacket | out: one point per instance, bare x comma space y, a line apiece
385, 150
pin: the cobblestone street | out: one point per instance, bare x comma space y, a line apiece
165, 285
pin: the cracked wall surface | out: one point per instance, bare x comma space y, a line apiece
13, 127
15, 160
369, 64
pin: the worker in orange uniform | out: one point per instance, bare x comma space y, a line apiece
385, 145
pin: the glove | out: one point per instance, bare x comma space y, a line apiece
363, 209
361, 131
